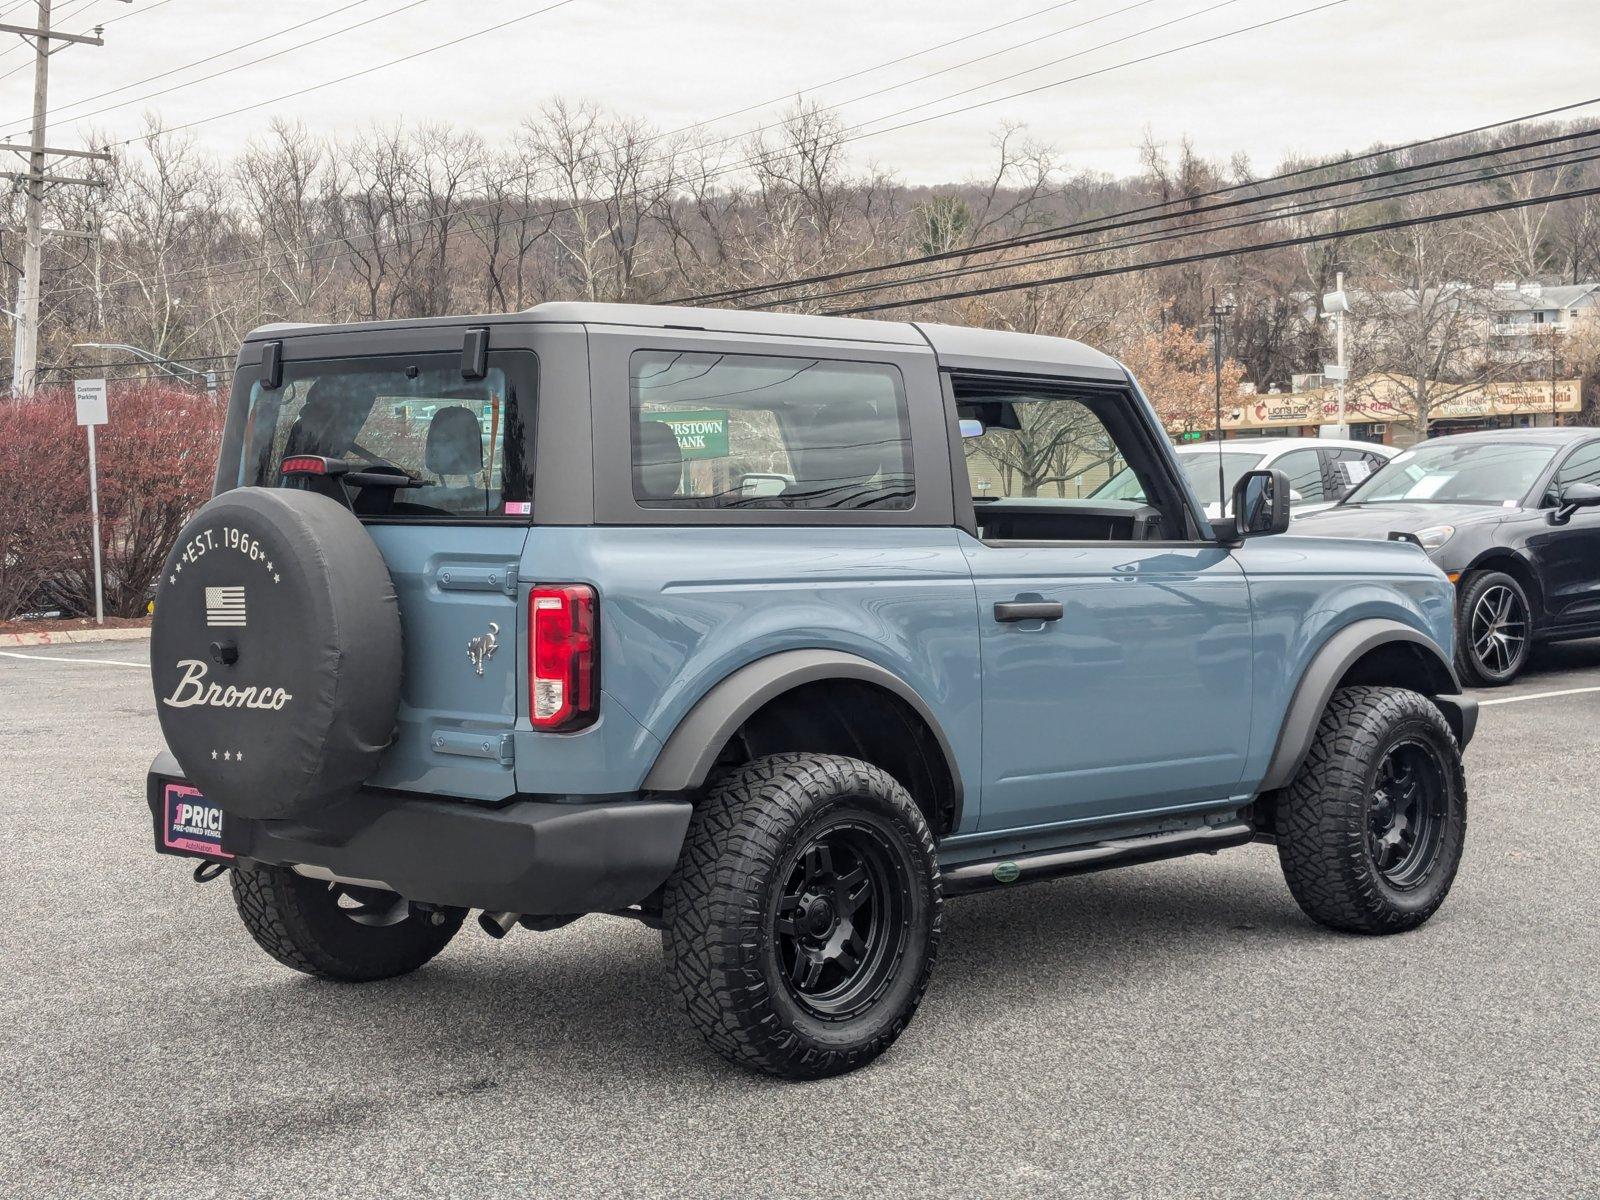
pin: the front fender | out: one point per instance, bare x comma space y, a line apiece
1322, 675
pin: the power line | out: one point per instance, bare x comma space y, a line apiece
1450, 181
673, 132
110, 21
1106, 16
1465, 176
1209, 255
253, 42
1138, 33
893, 62
851, 134
1289, 212
317, 87
1086, 225
25, 342
178, 87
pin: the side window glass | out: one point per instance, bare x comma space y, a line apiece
747, 431
1304, 469
1582, 467
1043, 448
1347, 468
1051, 466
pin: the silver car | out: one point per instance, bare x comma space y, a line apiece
1321, 471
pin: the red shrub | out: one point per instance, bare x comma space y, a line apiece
157, 457
44, 499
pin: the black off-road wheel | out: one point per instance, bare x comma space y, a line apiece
336, 931
1494, 629
1371, 831
803, 918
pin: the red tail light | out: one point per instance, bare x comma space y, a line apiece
304, 464
563, 652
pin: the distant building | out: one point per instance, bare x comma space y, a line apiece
1520, 309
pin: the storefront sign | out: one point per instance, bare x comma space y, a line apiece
1383, 400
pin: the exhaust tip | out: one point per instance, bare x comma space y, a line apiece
497, 924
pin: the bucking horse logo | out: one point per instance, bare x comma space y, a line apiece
481, 648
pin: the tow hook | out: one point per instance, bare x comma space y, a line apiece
208, 869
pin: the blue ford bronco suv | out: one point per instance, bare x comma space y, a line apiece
771, 632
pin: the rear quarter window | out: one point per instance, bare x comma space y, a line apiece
730, 431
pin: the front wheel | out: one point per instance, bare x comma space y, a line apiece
1370, 832
1494, 629
803, 918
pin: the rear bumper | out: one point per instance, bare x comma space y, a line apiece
528, 856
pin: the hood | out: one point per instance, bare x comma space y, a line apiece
1379, 520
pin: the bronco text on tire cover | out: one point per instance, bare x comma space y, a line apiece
275, 652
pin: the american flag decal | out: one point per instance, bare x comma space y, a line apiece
225, 606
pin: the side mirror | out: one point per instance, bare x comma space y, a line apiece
1260, 505
1573, 497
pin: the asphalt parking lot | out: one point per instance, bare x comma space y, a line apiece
1175, 1029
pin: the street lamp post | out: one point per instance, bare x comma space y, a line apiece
1334, 307
1218, 311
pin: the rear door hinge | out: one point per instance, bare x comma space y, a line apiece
501, 747
499, 577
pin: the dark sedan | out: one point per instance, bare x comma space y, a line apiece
1513, 517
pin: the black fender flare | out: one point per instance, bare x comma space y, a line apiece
690, 752
1337, 655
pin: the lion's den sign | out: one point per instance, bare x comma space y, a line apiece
701, 434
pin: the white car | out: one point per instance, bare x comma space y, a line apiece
1321, 471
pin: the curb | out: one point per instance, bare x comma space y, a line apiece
62, 637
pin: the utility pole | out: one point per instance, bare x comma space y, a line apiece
1338, 330
25, 354
1218, 311
1554, 419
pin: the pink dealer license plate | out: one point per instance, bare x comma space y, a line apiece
190, 824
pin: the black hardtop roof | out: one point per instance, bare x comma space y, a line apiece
958, 347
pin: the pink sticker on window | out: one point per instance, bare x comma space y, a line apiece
518, 508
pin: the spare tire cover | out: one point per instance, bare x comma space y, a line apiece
275, 652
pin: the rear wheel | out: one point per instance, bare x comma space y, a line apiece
803, 918
334, 930
1371, 831
1494, 629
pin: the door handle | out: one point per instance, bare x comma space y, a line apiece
1028, 610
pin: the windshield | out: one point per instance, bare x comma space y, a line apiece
1456, 473
1199, 465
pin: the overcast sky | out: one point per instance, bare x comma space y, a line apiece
1357, 72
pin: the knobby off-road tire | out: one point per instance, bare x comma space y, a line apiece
1370, 832
1492, 605
332, 932
803, 919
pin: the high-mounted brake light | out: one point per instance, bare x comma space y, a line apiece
305, 464
563, 650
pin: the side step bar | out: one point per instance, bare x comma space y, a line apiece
1095, 856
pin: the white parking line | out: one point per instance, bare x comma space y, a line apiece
96, 662
1539, 696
